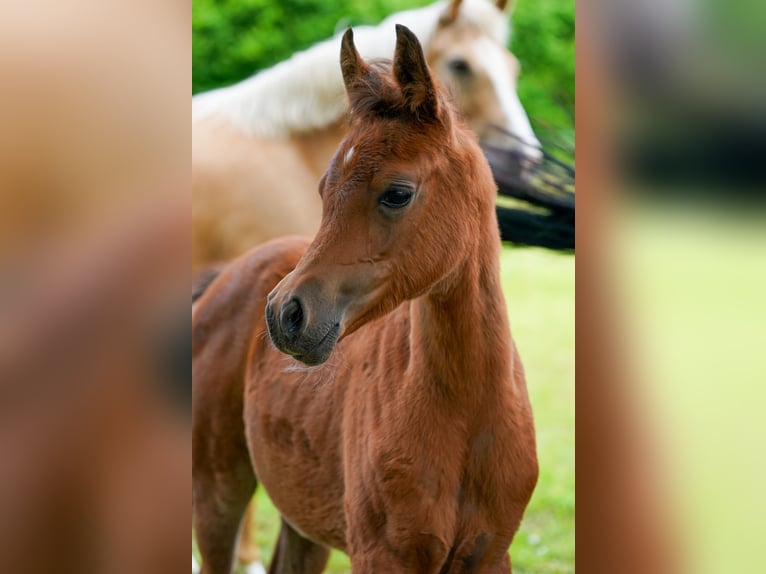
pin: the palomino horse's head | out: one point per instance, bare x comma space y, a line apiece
481, 74
405, 200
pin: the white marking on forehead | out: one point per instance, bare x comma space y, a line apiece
349, 154
496, 64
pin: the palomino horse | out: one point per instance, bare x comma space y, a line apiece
260, 146
394, 424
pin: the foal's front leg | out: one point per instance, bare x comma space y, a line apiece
295, 554
386, 561
219, 504
223, 480
422, 553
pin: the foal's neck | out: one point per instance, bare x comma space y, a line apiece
460, 334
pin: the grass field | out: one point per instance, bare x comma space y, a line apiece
539, 290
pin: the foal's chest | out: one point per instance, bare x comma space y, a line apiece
431, 492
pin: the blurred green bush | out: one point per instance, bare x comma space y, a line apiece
231, 39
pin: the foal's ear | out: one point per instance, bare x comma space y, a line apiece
357, 75
411, 72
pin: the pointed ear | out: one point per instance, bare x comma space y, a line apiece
502, 4
357, 75
411, 72
451, 13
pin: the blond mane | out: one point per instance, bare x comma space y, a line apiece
306, 91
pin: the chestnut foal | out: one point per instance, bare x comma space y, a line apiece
408, 441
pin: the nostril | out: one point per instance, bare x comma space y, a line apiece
292, 317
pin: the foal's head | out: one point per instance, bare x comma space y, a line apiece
407, 199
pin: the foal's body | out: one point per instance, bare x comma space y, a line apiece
458, 479
409, 443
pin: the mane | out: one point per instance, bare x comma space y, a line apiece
306, 91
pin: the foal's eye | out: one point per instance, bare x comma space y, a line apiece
396, 197
460, 67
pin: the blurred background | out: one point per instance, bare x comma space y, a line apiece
233, 39
94, 316
672, 261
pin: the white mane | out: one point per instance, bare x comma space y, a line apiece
306, 91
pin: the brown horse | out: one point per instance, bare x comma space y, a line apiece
260, 147
394, 424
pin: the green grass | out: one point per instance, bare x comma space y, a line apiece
539, 290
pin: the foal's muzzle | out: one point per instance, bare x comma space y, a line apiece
300, 326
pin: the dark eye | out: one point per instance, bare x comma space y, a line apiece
460, 67
396, 197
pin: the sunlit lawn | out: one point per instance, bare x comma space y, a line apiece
539, 289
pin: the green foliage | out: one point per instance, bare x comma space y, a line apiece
543, 40
231, 39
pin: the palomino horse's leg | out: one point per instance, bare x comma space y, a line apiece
295, 554
247, 552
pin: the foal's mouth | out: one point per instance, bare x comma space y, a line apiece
320, 352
